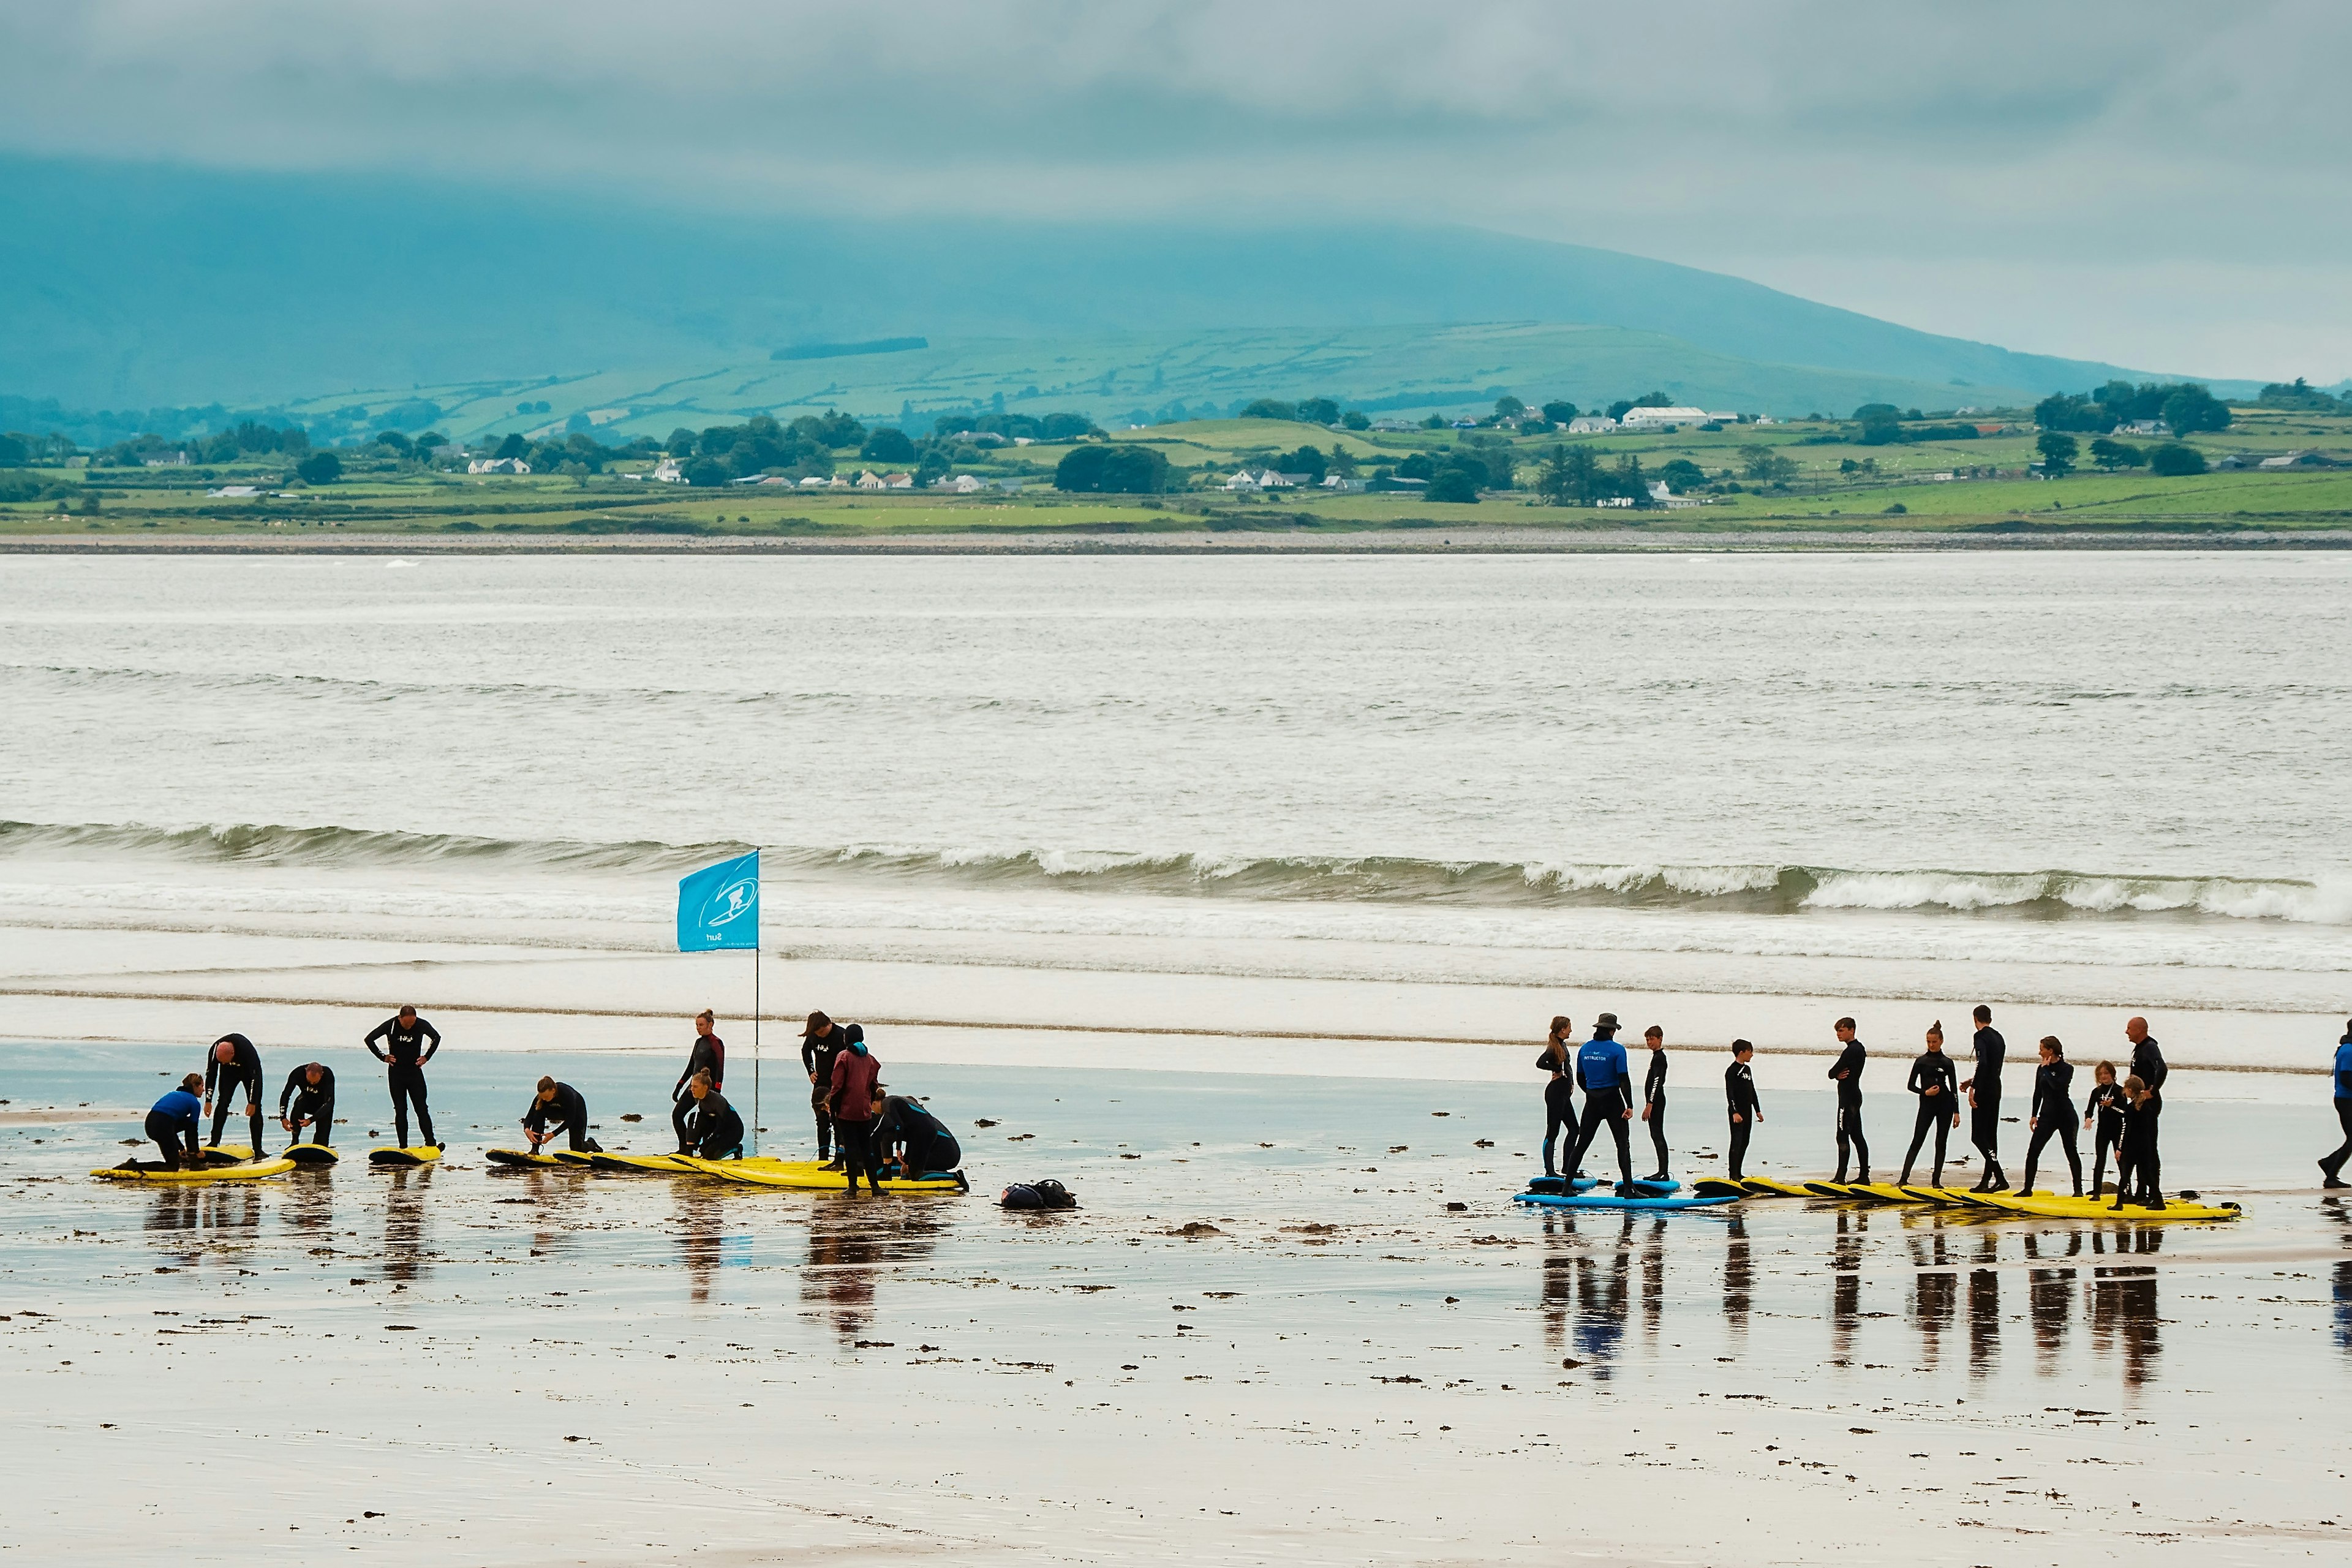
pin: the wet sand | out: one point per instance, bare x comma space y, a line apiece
1266, 1337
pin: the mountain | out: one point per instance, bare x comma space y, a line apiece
144, 285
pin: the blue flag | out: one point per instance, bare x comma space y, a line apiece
719, 906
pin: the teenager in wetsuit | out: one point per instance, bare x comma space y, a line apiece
311, 1089
2052, 1114
820, 1042
233, 1063
1739, 1102
564, 1106
1983, 1089
405, 1052
1559, 1060
2332, 1166
2148, 1065
856, 1073
923, 1144
707, 1055
1932, 1079
2105, 1104
1608, 1086
2139, 1173
1847, 1072
172, 1122
714, 1128
1653, 1097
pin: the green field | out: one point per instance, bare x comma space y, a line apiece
1902, 493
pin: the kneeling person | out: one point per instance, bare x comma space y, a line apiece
924, 1145
561, 1104
714, 1129
173, 1124
308, 1097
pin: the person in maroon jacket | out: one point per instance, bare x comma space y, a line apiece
854, 1073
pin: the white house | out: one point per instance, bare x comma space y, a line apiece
1723, 418
1660, 495
963, 484
234, 490
1264, 480
1340, 484
1653, 418
1394, 426
1241, 479
498, 465
1614, 500
869, 481
2142, 427
1591, 425
668, 472
897, 481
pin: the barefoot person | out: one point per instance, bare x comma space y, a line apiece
1558, 1059
566, 1109
2332, 1166
2052, 1114
821, 1043
308, 1099
2148, 1065
714, 1128
2139, 1173
1939, 1104
1739, 1102
172, 1122
1983, 1089
233, 1063
2104, 1105
1847, 1072
706, 1056
1654, 1098
409, 1043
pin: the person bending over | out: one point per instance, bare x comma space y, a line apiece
409, 1043
1983, 1089
559, 1108
2105, 1104
1558, 1059
855, 1075
1601, 1073
1847, 1072
1940, 1103
172, 1122
714, 1129
923, 1144
2052, 1115
233, 1064
1739, 1102
706, 1056
2332, 1166
308, 1097
1653, 1097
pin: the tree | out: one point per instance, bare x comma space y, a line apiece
2112, 455
2191, 408
392, 441
1681, 474
680, 443
1356, 419
512, 447
1647, 400
1508, 408
1270, 408
2057, 454
2174, 461
1319, 411
321, 467
1568, 476
1765, 466
1453, 483
1343, 462
15, 451
706, 472
887, 446
1560, 412
1113, 471
1307, 460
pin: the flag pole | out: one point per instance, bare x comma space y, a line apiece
755, 1047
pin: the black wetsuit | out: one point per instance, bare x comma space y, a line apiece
716, 1128
1984, 1121
708, 1054
1936, 1110
567, 1108
405, 1052
817, 1056
245, 1072
314, 1102
1849, 1108
2148, 1065
930, 1148
173, 1124
2105, 1102
2054, 1117
2141, 1173
1654, 1095
1560, 1103
1739, 1104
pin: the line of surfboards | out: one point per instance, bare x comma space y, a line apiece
236, 1162
2046, 1204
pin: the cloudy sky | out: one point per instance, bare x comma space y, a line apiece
2149, 182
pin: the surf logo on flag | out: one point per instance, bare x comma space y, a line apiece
719, 906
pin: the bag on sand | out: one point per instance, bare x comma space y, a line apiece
1045, 1194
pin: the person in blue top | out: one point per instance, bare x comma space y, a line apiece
1601, 1073
173, 1124
2333, 1166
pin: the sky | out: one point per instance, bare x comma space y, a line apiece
2149, 182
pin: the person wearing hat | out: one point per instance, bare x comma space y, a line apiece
820, 1042
1606, 1082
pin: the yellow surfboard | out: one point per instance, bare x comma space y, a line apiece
414, 1154
242, 1171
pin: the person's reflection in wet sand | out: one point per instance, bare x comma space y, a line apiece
849, 1244
1934, 1290
2336, 1210
1653, 1277
2050, 1297
1984, 1308
1845, 1282
1557, 1292
404, 1223
700, 1225
1739, 1277
2123, 1305
1600, 1293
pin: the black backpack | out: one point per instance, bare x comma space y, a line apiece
1045, 1194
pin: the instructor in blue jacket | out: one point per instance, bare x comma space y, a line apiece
2332, 1165
1601, 1073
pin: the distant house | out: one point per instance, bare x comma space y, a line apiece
1394, 426
1465, 425
869, 481
2298, 460
1591, 425
1723, 418
1340, 484
1660, 495
897, 481
1262, 479
1241, 479
500, 466
668, 472
169, 460
1614, 500
2142, 427
2229, 463
1291, 481
815, 482
1386, 482
1658, 418
227, 491
964, 484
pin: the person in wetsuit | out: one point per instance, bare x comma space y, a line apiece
2148, 1065
233, 1063
821, 1043
856, 1073
2139, 1173
405, 1052
922, 1142
1653, 1097
309, 1096
1847, 1072
1559, 1061
706, 1054
2105, 1104
2331, 1167
714, 1128
1932, 1079
1608, 1086
1983, 1089
1739, 1102
564, 1106
173, 1123
2052, 1114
